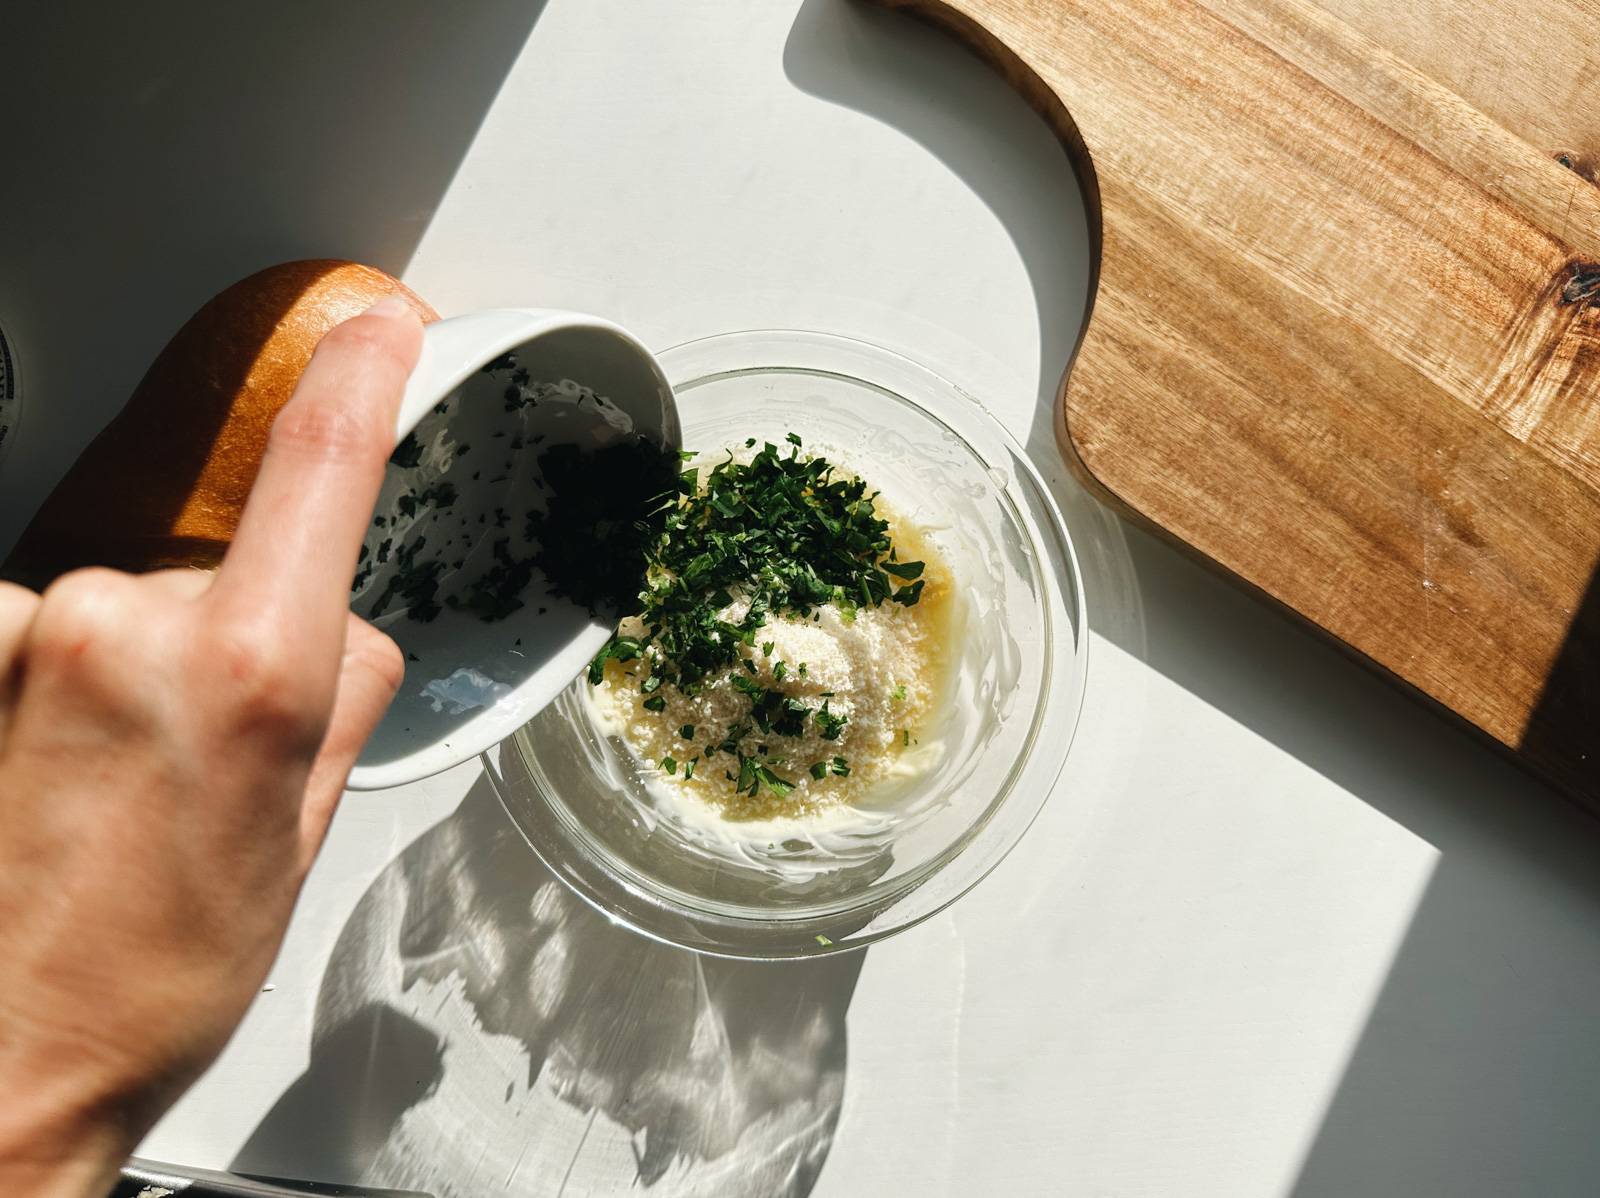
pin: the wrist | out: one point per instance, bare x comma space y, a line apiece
83, 1176
62, 1135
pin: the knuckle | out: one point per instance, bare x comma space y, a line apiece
78, 612
327, 431
262, 692
18, 606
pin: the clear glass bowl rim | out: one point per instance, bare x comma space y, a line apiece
762, 351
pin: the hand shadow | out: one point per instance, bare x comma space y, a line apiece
479, 1026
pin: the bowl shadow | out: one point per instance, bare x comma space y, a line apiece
478, 1025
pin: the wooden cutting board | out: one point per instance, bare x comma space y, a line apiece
1345, 338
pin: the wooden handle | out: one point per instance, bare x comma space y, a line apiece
164, 483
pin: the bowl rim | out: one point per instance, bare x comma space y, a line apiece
611, 887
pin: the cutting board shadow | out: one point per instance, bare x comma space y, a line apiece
1344, 328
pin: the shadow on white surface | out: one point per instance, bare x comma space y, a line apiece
1479, 1064
879, 63
196, 143
481, 1029
1478, 1070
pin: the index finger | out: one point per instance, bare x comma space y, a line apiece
294, 553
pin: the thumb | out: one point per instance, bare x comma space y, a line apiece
369, 677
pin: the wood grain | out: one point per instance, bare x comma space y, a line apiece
164, 484
1345, 336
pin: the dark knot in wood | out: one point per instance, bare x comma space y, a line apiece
1584, 285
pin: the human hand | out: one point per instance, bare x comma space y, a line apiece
172, 747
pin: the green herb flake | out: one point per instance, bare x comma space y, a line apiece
598, 531
908, 596
829, 725
670, 765
778, 786
898, 694
785, 534
408, 453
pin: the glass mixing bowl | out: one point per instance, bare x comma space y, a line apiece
1015, 683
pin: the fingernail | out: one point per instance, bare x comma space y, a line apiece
389, 305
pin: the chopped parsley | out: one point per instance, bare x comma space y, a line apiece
829, 724
497, 592
408, 453
781, 530
839, 766
711, 555
441, 495
605, 512
413, 581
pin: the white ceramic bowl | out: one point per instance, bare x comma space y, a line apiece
469, 682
